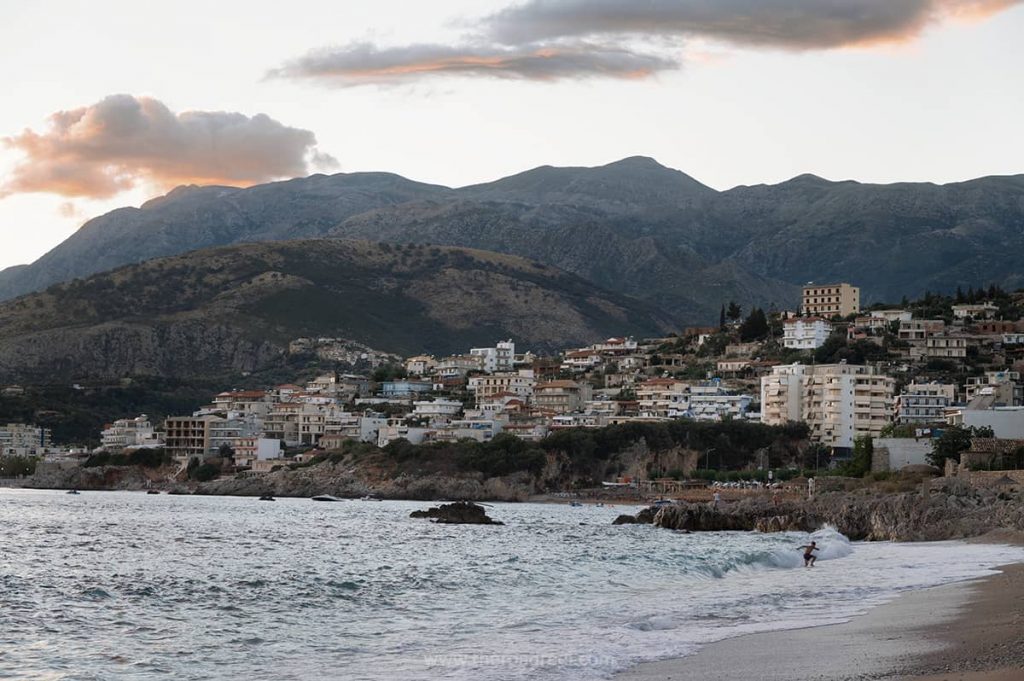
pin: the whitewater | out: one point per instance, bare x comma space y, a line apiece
120, 585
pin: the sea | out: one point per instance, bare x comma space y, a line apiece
123, 585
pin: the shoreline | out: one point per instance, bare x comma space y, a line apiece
963, 631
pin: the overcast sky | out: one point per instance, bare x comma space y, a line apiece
109, 103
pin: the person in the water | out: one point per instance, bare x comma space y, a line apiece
809, 556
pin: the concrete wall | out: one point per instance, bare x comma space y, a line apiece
892, 453
1005, 423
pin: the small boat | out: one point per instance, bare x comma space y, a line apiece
371, 497
72, 491
326, 497
267, 497
575, 503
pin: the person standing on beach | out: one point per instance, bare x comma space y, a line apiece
809, 556
715, 499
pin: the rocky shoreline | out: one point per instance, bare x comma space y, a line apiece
928, 515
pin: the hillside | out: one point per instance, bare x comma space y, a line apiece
218, 312
632, 226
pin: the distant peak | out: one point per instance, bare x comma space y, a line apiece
810, 178
636, 162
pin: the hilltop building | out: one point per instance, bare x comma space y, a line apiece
830, 300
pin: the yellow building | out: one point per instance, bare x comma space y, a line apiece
830, 300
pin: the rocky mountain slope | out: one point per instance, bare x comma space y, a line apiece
235, 309
632, 226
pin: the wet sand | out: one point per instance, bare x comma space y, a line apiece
969, 631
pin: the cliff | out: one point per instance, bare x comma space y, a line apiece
944, 513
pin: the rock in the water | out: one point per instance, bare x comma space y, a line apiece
625, 520
457, 513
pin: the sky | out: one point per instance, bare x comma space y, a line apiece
110, 103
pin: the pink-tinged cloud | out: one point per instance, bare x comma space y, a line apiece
100, 150
364, 63
787, 24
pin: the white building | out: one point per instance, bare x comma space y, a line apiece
21, 439
129, 433
499, 358
975, 311
437, 412
519, 383
924, 403
839, 402
805, 333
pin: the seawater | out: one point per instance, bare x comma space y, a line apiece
119, 585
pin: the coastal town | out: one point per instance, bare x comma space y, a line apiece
891, 374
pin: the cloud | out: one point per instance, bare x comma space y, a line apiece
363, 63
791, 24
100, 150
557, 39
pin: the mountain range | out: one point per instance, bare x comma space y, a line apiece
633, 226
222, 312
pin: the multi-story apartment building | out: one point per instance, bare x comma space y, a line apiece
499, 358
127, 433
805, 333
924, 403
839, 402
24, 439
420, 365
830, 300
188, 437
518, 383
562, 397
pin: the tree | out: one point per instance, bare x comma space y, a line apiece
953, 441
734, 311
755, 326
721, 318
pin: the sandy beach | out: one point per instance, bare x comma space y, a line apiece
969, 631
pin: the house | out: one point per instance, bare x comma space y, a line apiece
420, 365
975, 311
518, 383
251, 448
404, 388
561, 397
830, 300
805, 333
129, 434
915, 330
942, 346
437, 412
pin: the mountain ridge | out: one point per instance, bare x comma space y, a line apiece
632, 225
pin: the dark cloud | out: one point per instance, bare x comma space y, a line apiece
794, 24
99, 150
363, 63
557, 39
